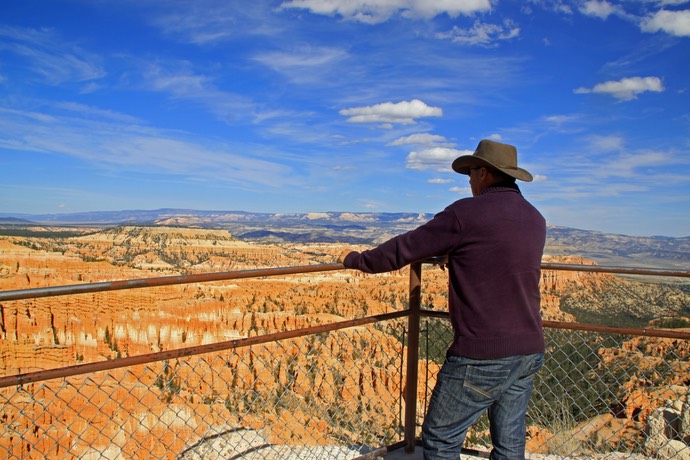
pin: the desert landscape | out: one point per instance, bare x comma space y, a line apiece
353, 376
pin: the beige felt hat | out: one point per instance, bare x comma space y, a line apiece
495, 155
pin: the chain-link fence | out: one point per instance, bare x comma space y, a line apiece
339, 393
597, 396
328, 395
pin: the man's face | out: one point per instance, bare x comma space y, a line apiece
476, 180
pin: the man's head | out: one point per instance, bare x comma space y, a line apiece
493, 156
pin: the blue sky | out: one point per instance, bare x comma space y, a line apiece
346, 105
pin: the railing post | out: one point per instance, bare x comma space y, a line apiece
412, 356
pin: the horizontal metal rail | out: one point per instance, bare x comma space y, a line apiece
79, 369
161, 281
617, 270
20, 379
644, 332
73, 289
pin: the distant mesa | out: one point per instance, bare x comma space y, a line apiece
368, 228
14, 221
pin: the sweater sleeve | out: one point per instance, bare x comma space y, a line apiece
435, 238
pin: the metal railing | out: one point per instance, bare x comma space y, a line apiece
356, 388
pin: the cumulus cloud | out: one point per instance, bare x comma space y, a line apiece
481, 34
421, 139
377, 11
405, 112
599, 9
672, 22
627, 88
437, 158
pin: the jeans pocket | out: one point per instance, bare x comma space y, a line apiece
484, 383
537, 363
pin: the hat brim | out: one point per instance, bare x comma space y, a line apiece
463, 164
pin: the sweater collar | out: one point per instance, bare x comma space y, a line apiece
502, 187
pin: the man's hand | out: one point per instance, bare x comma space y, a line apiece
341, 257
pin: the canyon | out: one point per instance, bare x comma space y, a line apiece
342, 371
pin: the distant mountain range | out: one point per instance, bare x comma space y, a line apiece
368, 228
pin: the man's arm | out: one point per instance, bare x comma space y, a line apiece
435, 238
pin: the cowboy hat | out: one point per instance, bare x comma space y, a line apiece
494, 155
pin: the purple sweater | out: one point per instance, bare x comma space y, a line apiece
494, 244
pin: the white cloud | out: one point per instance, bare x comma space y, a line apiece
627, 88
481, 34
599, 9
672, 22
461, 190
540, 178
437, 158
378, 11
422, 139
405, 112
440, 181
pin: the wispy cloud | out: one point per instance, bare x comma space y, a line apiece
405, 112
305, 64
626, 89
482, 34
606, 166
110, 143
207, 22
605, 144
49, 57
378, 11
461, 190
425, 139
181, 82
440, 181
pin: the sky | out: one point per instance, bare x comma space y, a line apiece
294, 106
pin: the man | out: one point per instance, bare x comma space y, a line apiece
494, 242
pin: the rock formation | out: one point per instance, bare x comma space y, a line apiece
359, 374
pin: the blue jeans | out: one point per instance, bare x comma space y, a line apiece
465, 388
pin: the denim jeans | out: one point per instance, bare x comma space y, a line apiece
465, 388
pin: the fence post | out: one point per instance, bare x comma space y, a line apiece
412, 356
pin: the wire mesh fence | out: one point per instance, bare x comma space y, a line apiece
328, 395
597, 396
339, 395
